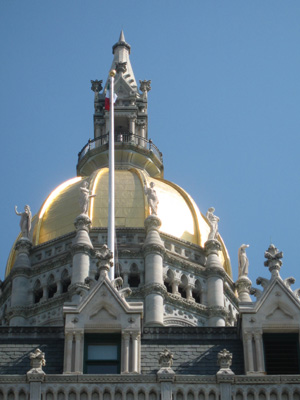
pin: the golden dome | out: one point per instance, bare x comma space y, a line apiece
178, 212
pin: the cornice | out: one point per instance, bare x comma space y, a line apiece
187, 265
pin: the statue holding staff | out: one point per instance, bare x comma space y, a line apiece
213, 222
152, 198
84, 197
243, 260
25, 221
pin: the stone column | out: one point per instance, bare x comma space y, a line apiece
68, 352
20, 295
78, 352
175, 284
249, 350
215, 283
81, 249
154, 250
132, 125
243, 286
126, 338
189, 295
259, 352
45, 293
59, 288
135, 353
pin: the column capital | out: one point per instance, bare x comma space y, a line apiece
212, 246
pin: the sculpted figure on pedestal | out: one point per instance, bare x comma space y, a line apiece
84, 198
213, 222
25, 222
152, 198
243, 260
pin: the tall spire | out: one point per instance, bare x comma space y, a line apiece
121, 51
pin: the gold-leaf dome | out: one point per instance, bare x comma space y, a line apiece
178, 212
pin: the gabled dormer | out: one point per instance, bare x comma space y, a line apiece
271, 325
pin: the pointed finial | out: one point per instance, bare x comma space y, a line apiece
121, 42
122, 37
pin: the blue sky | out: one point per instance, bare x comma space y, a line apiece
223, 109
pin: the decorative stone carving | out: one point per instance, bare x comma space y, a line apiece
243, 286
243, 261
37, 361
25, 221
165, 359
263, 282
121, 67
152, 198
145, 87
273, 262
256, 292
289, 281
225, 361
96, 87
213, 222
84, 198
104, 256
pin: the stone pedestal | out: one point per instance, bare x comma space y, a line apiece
81, 249
20, 272
215, 284
154, 250
243, 286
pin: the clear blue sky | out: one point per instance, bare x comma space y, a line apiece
223, 109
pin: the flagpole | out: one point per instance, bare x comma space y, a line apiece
111, 189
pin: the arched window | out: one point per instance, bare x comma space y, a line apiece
197, 292
134, 276
182, 286
168, 280
37, 291
52, 286
65, 280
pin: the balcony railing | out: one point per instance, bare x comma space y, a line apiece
120, 137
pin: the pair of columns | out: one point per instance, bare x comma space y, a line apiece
74, 359
130, 352
253, 348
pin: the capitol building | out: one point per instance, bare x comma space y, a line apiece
169, 323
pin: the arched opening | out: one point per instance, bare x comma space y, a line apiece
196, 292
37, 291
65, 280
182, 286
134, 276
52, 286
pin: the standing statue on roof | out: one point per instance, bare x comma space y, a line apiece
84, 198
213, 222
152, 198
243, 260
25, 221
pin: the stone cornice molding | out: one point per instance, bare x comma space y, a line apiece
177, 301
215, 271
212, 246
82, 222
217, 311
186, 265
52, 262
154, 249
154, 288
18, 331
23, 245
81, 248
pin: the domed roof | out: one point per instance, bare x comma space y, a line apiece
178, 212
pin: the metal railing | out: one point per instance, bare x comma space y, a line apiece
121, 137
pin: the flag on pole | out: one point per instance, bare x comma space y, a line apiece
107, 98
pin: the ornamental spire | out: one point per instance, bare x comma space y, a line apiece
121, 62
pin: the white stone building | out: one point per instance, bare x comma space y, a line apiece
173, 324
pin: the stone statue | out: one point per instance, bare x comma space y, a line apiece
152, 198
213, 221
243, 260
84, 197
25, 222
165, 359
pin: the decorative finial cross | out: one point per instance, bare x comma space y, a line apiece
273, 262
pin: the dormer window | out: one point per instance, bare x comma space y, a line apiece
102, 353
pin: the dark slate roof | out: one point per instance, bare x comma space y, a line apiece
17, 343
195, 350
